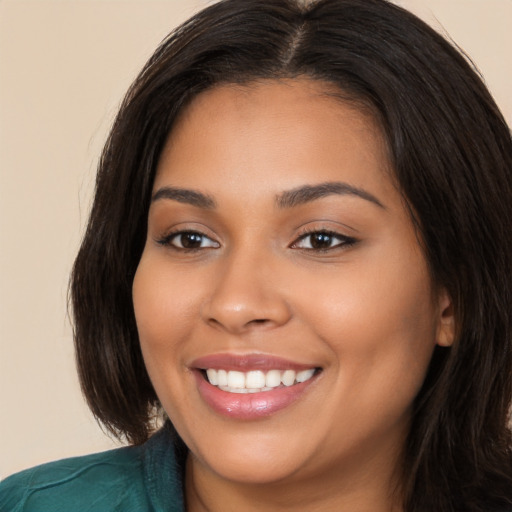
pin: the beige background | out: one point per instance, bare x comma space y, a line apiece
64, 66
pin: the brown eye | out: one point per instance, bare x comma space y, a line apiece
188, 240
323, 241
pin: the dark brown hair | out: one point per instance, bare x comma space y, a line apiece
451, 152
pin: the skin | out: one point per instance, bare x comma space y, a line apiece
366, 312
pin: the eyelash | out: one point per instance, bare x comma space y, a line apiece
168, 239
345, 241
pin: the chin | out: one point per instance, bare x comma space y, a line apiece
257, 470
251, 458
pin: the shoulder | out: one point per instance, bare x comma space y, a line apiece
132, 479
112, 480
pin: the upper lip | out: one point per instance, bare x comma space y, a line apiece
248, 362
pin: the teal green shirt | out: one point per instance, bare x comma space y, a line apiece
144, 478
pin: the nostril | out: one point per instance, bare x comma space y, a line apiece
234, 326
258, 321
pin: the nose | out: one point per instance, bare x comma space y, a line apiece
246, 295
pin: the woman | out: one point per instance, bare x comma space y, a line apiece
299, 253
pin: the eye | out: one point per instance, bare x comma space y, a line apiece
188, 241
322, 241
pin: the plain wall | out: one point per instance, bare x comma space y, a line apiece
64, 67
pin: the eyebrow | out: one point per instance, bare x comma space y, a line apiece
308, 193
287, 199
185, 195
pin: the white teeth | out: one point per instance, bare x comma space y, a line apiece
273, 379
288, 377
222, 377
236, 380
212, 376
233, 390
243, 390
256, 381
305, 375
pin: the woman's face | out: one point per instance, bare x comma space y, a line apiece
280, 251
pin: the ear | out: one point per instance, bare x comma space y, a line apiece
445, 334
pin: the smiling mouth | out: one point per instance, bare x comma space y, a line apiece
251, 386
256, 381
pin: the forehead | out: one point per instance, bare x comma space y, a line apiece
249, 103
287, 131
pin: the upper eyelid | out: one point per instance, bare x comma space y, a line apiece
183, 227
171, 234
331, 226
336, 231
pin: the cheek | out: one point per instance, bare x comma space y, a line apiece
163, 305
378, 323
163, 295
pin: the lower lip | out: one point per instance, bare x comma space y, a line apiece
249, 406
